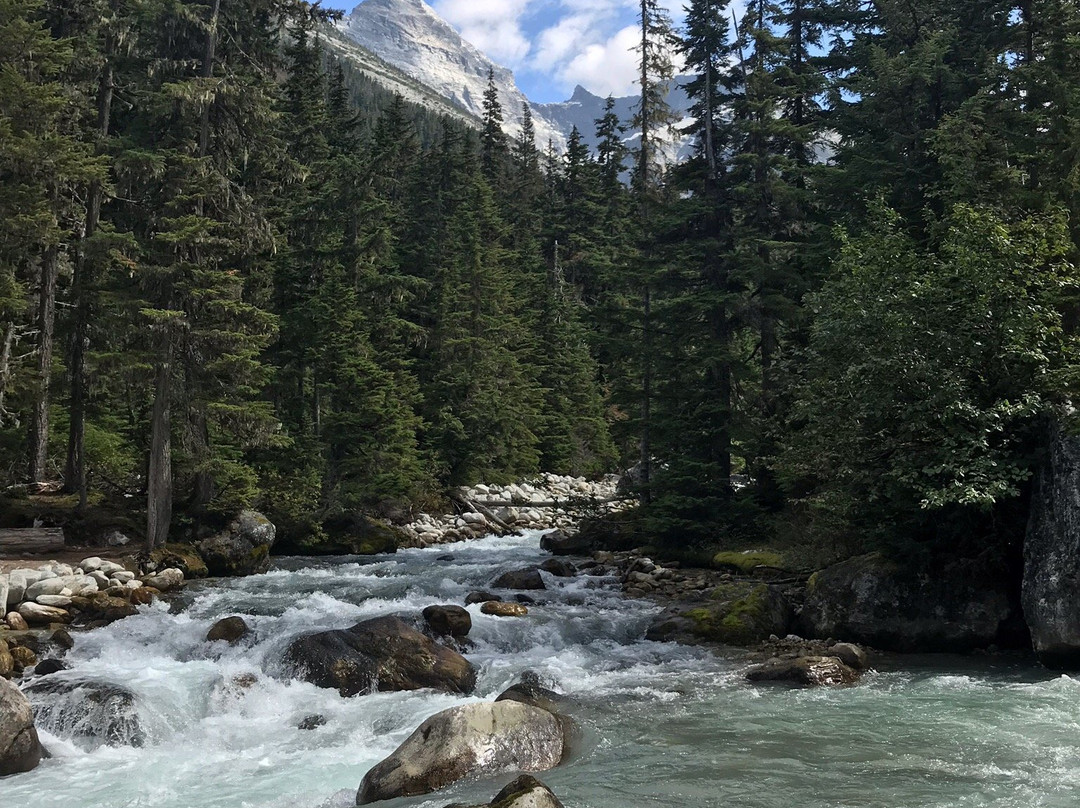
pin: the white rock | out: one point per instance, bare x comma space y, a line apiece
5, 587
101, 578
63, 569
91, 564
166, 580
111, 567
35, 614
133, 585
474, 518
49, 586
58, 601
123, 576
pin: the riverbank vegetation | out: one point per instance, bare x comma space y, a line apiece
232, 274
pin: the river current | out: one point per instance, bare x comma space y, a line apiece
664, 725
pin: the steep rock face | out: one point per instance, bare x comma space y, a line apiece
873, 600
474, 740
20, 750
385, 654
411, 36
1051, 588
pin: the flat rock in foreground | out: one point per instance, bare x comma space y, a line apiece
473, 740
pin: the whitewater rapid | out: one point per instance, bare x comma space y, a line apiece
665, 725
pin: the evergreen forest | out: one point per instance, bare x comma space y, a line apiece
236, 274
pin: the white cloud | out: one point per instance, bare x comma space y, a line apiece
494, 26
609, 66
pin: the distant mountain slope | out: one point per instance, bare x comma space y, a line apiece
412, 41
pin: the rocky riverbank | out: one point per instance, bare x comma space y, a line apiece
547, 502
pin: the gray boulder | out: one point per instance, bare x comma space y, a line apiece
472, 740
879, 602
241, 549
1051, 585
20, 749
384, 654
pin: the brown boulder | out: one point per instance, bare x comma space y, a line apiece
498, 608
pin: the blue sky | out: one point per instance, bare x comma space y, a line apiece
551, 45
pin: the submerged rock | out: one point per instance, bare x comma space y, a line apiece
241, 549
1051, 596
808, 671
382, 654
97, 713
873, 600
20, 749
472, 740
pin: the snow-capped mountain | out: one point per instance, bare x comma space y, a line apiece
413, 38
410, 36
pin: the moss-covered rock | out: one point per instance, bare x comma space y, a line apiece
183, 557
748, 562
741, 614
243, 548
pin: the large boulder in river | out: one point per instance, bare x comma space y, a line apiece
807, 671
528, 578
385, 653
20, 749
559, 542
448, 621
960, 606
472, 740
1051, 587
243, 548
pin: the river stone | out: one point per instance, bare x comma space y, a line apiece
959, 606
850, 654
471, 740
448, 621
47, 667
384, 654
808, 671
498, 608
50, 586
559, 568
23, 658
479, 597
20, 750
559, 542
519, 579
95, 713
165, 581
229, 629
526, 792
1051, 595
16, 622
5, 587
37, 615
243, 548
183, 557
100, 607
59, 601
7, 664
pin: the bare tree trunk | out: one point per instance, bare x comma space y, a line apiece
159, 483
83, 284
46, 321
5, 365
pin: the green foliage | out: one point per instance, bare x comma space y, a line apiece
927, 371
